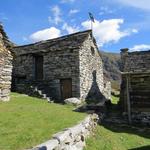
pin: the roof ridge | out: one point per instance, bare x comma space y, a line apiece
135, 52
59, 38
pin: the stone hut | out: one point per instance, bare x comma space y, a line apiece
60, 68
135, 87
5, 65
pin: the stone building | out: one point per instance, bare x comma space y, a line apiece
5, 65
68, 66
135, 87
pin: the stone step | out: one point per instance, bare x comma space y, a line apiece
42, 91
44, 96
39, 92
48, 99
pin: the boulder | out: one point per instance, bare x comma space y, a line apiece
73, 100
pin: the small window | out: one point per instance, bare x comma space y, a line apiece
92, 51
71, 51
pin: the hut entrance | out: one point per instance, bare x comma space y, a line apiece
38, 67
66, 88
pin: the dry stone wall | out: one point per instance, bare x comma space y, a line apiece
72, 138
91, 71
5, 67
107, 90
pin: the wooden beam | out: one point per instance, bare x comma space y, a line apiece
135, 73
128, 98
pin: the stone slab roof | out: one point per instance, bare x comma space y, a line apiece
138, 62
70, 41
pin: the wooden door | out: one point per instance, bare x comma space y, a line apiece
39, 67
66, 88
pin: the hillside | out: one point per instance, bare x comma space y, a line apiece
111, 64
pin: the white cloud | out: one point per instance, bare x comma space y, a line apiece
56, 10
66, 1
70, 29
73, 11
140, 47
142, 4
108, 30
106, 10
56, 15
135, 31
45, 34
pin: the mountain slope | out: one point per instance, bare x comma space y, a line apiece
111, 65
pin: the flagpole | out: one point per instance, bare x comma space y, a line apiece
92, 29
92, 20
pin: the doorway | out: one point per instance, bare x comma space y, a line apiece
66, 88
38, 67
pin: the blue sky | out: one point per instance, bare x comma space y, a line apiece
118, 23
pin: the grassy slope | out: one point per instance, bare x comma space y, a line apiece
27, 121
115, 137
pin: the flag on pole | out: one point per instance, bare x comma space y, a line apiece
91, 17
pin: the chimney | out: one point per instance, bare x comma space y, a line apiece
124, 54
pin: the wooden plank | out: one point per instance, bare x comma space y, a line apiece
128, 99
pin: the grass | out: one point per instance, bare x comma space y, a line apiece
115, 99
115, 137
26, 121
119, 137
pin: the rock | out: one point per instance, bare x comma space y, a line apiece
73, 100
48, 145
63, 137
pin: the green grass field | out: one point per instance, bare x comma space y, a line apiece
26, 121
113, 137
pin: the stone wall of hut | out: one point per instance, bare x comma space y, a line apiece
5, 68
74, 57
91, 72
135, 67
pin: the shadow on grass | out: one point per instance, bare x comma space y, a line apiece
141, 148
130, 129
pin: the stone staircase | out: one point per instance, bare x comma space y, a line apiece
48, 90
41, 91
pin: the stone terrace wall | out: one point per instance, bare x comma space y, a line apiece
72, 138
5, 67
91, 71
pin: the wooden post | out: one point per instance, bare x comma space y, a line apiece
128, 99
